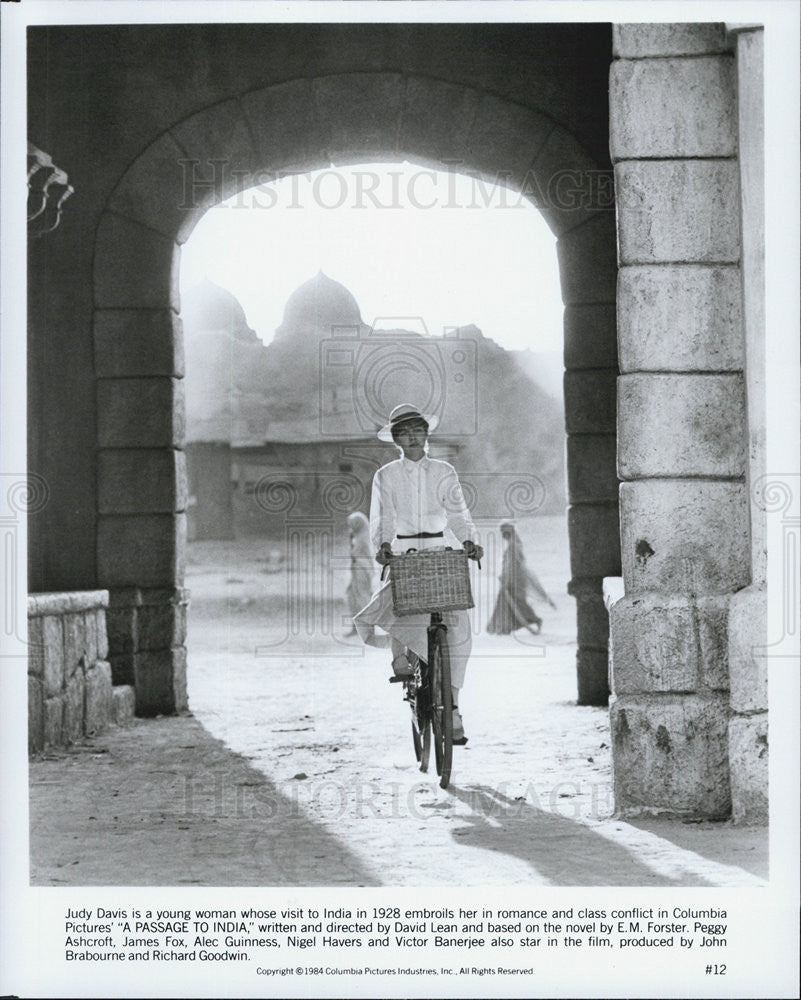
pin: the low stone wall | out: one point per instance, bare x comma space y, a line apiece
70, 693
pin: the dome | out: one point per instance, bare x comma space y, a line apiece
318, 304
210, 307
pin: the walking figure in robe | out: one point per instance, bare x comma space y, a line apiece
362, 565
512, 610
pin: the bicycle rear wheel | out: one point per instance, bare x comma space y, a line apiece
419, 700
439, 670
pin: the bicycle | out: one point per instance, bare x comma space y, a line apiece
443, 585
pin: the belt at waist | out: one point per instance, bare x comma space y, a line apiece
424, 534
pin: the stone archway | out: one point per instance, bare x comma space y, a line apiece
296, 126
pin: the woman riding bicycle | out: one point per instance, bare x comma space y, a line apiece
417, 502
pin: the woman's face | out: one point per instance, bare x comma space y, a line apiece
412, 439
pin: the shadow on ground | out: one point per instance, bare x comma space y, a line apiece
164, 803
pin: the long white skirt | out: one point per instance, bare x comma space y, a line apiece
411, 630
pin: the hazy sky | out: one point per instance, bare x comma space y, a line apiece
417, 249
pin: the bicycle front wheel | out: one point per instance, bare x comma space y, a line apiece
439, 671
419, 699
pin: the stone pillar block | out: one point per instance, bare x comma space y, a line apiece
638, 41
123, 704
160, 682
78, 646
162, 619
681, 425
591, 468
748, 660
98, 713
138, 342
684, 536
102, 634
678, 211
594, 532
154, 547
680, 318
590, 402
54, 721
135, 267
748, 745
36, 647
593, 677
140, 413
671, 755
36, 726
122, 669
588, 261
669, 643
141, 481
590, 336
53, 638
74, 696
672, 108
591, 615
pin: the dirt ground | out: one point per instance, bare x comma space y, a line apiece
296, 765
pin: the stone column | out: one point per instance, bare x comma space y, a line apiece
141, 488
681, 419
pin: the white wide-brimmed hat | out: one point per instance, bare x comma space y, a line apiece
401, 415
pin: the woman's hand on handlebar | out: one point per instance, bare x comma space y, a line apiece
473, 551
384, 554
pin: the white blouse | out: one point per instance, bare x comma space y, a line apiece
411, 497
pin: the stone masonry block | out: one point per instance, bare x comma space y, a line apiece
98, 698
684, 536
162, 626
588, 261
436, 121
672, 108
748, 753
80, 647
286, 126
638, 41
134, 266
122, 669
681, 425
121, 626
102, 634
592, 621
748, 659
160, 682
123, 704
678, 211
141, 481
53, 637
154, 547
590, 336
671, 755
594, 540
142, 342
74, 708
362, 111
591, 468
663, 644
592, 669
590, 401
54, 721
508, 134
567, 185
36, 727
680, 318
36, 647
153, 190
140, 413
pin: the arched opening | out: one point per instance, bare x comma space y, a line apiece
346, 118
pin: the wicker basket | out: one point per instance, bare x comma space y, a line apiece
432, 580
